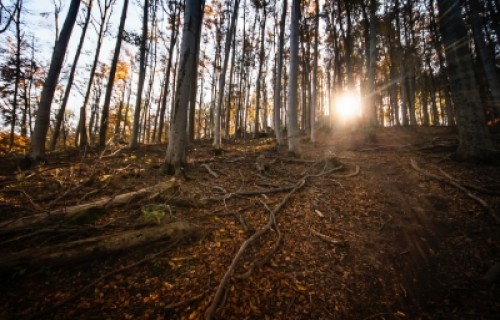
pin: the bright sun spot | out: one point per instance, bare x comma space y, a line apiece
348, 106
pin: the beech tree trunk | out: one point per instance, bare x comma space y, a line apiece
43, 113
142, 76
71, 78
292, 125
474, 138
277, 83
175, 159
111, 80
222, 77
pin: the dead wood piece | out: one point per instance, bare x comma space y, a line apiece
210, 171
455, 184
79, 212
78, 293
85, 249
327, 238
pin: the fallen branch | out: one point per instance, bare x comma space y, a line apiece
89, 248
71, 213
455, 184
210, 171
78, 293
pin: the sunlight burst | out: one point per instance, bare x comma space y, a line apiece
348, 106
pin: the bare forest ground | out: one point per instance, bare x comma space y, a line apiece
359, 233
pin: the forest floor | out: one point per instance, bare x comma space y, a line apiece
384, 242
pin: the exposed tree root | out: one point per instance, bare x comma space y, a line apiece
219, 294
210, 171
455, 184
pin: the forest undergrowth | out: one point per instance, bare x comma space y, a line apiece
387, 229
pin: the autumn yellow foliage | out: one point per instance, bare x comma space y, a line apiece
21, 144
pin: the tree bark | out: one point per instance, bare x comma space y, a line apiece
111, 80
277, 80
85, 249
175, 159
222, 77
142, 75
474, 138
62, 109
293, 131
43, 114
488, 61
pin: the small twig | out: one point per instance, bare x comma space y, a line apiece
326, 238
458, 186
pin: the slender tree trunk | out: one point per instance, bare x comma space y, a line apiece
111, 80
194, 88
222, 77
314, 94
142, 76
17, 77
229, 92
173, 40
278, 79
488, 61
43, 115
474, 138
62, 110
175, 159
262, 57
292, 128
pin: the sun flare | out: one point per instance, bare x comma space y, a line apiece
348, 106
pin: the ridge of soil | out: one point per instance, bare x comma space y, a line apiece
408, 247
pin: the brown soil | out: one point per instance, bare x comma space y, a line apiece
408, 247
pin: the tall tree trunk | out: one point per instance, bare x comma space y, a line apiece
43, 114
175, 159
229, 92
194, 88
222, 77
371, 112
173, 39
17, 77
62, 109
488, 61
292, 125
474, 138
314, 95
262, 57
278, 79
142, 76
100, 39
111, 80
